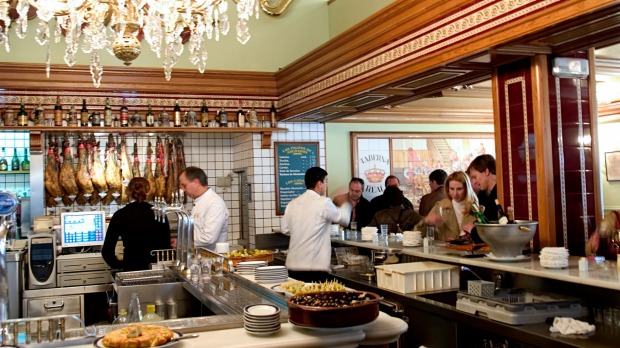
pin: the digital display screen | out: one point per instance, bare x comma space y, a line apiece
80, 229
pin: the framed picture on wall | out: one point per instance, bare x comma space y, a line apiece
612, 165
411, 157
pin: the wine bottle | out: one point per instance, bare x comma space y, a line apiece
273, 115
84, 114
26, 161
177, 114
510, 214
204, 114
107, 114
150, 118
15, 160
502, 218
240, 117
4, 165
58, 113
124, 115
479, 216
22, 116
223, 116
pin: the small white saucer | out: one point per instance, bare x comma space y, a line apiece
492, 257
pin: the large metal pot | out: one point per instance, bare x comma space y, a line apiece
507, 241
334, 317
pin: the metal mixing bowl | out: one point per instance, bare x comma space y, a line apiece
507, 241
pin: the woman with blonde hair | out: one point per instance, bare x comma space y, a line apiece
609, 227
453, 216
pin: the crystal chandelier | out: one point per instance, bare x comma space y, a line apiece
118, 26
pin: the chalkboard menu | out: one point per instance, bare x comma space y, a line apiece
292, 161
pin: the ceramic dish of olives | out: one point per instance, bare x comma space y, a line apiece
333, 309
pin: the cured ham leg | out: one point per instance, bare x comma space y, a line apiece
148, 172
52, 172
97, 170
171, 187
67, 171
160, 178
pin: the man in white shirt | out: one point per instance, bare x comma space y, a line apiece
307, 219
209, 212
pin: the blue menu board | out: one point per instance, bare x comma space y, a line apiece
292, 161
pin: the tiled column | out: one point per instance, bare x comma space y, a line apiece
545, 153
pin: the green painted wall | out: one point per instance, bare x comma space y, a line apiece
607, 139
343, 14
338, 144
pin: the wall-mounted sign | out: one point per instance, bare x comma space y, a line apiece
292, 161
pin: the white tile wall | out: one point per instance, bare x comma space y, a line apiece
16, 183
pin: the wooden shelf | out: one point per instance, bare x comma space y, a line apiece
15, 172
265, 132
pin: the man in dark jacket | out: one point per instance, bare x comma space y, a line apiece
482, 172
362, 214
436, 181
379, 202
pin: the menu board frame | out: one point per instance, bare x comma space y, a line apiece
299, 185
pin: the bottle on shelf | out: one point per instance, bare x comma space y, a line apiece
502, 218
84, 114
177, 114
122, 317
58, 113
22, 116
134, 313
4, 165
273, 115
72, 118
223, 116
26, 162
204, 114
107, 114
15, 160
38, 115
150, 315
240, 117
124, 115
150, 118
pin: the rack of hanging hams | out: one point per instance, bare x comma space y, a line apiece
86, 174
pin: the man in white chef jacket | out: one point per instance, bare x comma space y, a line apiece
209, 212
308, 219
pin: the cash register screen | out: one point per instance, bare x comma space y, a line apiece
82, 229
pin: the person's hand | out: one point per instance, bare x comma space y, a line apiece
340, 199
432, 219
467, 228
173, 243
595, 241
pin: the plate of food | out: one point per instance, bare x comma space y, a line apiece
242, 255
139, 335
297, 287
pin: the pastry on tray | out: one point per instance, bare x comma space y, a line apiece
138, 336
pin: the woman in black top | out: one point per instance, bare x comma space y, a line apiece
135, 224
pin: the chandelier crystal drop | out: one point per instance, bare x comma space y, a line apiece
117, 26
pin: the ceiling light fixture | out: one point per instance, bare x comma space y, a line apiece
117, 26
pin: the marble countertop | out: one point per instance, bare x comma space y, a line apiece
603, 274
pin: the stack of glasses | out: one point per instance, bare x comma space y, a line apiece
261, 319
554, 257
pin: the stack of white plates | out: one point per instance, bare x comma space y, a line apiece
554, 257
247, 267
261, 319
412, 238
369, 233
271, 274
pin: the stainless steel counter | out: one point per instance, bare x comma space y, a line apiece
604, 275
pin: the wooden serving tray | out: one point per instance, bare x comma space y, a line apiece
262, 257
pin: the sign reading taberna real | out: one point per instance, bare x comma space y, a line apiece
8, 203
292, 161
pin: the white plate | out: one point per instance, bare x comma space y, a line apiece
248, 263
264, 268
175, 335
491, 257
258, 310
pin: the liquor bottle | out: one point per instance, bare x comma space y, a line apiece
124, 115
502, 218
150, 118
22, 116
4, 165
39, 115
204, 114
58, 113
479, 216
84, 114
223, 116
26, 161
15, 160
72, 119
107, 114
240, 117
177, 114
273, 115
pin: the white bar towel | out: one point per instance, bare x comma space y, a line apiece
570, 326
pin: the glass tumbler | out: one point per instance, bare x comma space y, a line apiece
207, 262
217, 266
